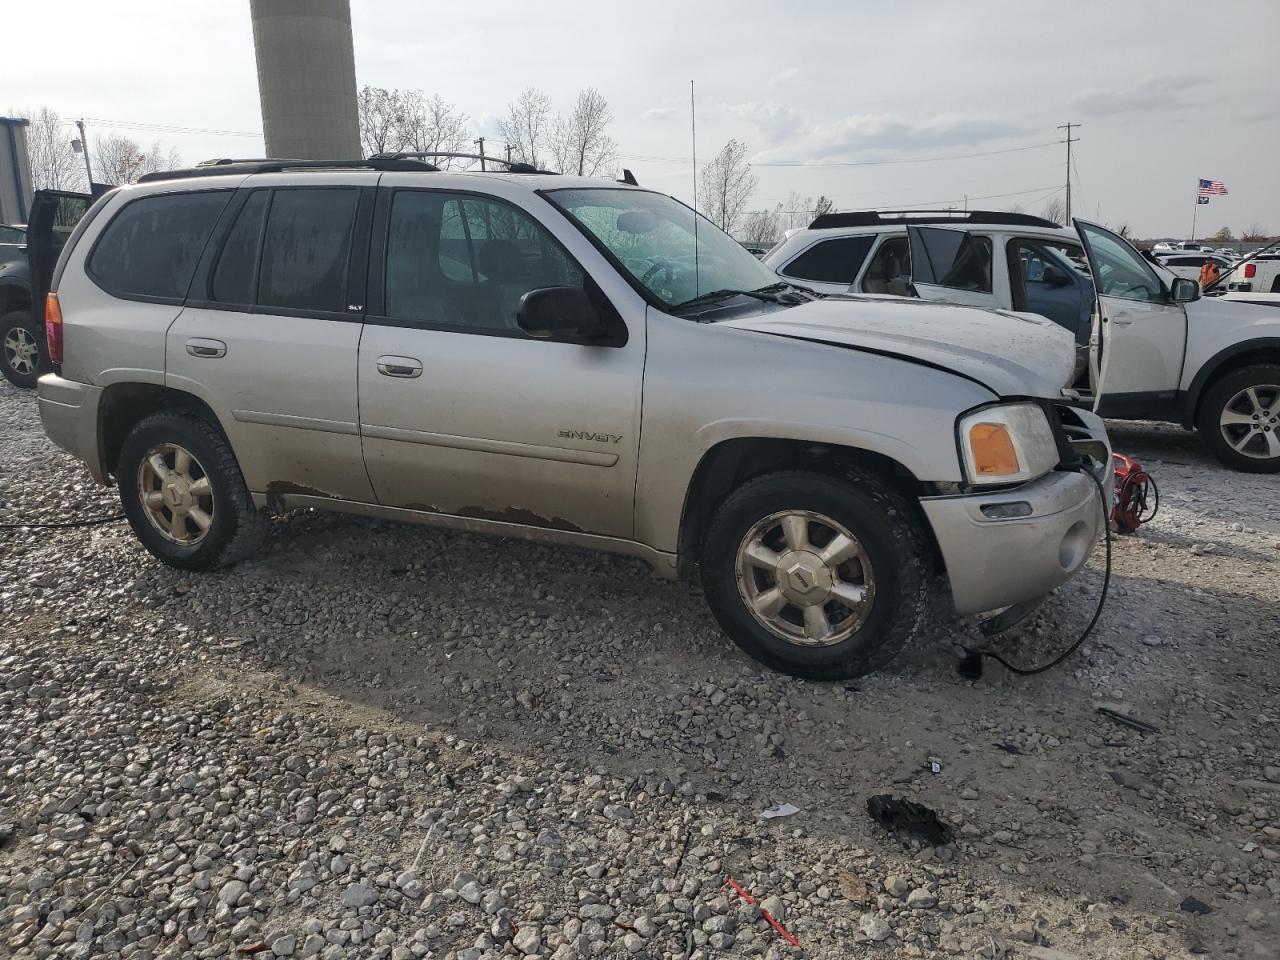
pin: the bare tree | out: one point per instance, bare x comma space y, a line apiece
434, 125
54, 165
762, 226
118, 159
526, 126
1255, 234
726, 185
823, 205
1056, 210
382, 120
580, 143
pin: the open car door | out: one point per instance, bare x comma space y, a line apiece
54, 214
951, 264
1140, 333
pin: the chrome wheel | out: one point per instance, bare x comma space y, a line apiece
176, 494
805, 578
21, 352
1250, 422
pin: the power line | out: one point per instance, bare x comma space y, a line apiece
167, 128
954, 200
857, 163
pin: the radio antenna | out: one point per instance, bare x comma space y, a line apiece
693, 137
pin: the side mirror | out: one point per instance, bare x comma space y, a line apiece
1054, 277
1184, 290
565, 314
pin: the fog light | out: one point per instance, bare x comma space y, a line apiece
1006, 511
1074, 549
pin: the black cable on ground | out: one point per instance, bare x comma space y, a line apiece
56, 526
970, 666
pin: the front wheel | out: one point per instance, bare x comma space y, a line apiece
1240, 419
816, 576
184, 495
22, 353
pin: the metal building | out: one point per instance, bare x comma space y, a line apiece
306, 78
15, 172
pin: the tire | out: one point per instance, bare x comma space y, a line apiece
1241, 427
23, 356
228, 527
893, 580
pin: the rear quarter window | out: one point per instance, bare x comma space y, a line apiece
150, 249
830, 261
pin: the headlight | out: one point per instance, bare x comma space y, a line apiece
1007, 443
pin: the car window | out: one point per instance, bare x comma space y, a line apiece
238, 260
305, 248
151, 247
12, 235
890, 269
464, 262
1119, 270
837, 260
953, 258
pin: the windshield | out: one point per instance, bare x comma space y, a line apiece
652, 237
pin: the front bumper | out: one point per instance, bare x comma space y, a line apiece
995, 563
69, 413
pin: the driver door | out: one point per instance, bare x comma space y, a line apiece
1140, 333
952, 265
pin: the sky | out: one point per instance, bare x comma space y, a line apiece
874, 104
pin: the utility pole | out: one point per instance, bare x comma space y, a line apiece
84, 146
1068, 127
508, 153
479, 141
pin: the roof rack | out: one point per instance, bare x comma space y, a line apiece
226, 166
873, 218
513, 166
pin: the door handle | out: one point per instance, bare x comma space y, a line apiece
206, 349
407, 367
1123, 320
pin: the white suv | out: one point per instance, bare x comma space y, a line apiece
1155, 349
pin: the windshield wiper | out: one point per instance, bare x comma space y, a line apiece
767, 293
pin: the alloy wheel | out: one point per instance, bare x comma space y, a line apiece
176, 494
805, 578
1250, 422
21, 352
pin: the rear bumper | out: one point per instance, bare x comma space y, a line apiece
69, 413
995, 563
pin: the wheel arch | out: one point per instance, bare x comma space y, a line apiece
122, 405
14, 295
728, 464
1235, 357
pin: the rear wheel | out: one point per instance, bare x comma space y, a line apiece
1240, 419
817, 576
184, 495
22, 354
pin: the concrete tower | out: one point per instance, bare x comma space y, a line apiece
306, 78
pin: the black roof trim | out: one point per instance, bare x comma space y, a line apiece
877, 218
227, 167
513, 166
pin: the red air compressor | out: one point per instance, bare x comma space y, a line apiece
1137, 497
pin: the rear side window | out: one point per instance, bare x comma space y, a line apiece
234, 274
306, 247
830, 261
151, 247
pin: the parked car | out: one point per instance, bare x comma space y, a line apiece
1189, 263
24, 278
552, 358
1169, 355
13, 241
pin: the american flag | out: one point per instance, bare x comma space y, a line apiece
1212, 188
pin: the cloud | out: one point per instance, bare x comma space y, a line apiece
658, 113
782, 133
784, 76
1148, 96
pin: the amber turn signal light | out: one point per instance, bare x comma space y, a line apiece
993, 453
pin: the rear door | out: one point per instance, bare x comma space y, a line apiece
1136, 358
270, 334
953, 265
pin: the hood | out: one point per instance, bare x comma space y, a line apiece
1012, 354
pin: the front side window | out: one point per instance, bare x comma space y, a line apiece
653, 238
1118, 269
837, 260
151, 247
305, 248
12, 235
464, 262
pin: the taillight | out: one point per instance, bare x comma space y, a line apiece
1250, 271
53, 327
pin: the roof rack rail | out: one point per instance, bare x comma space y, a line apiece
873, 218
513, 166
227, 166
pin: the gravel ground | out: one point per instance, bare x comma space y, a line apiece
377, 740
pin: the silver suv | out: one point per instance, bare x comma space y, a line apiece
564, 360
